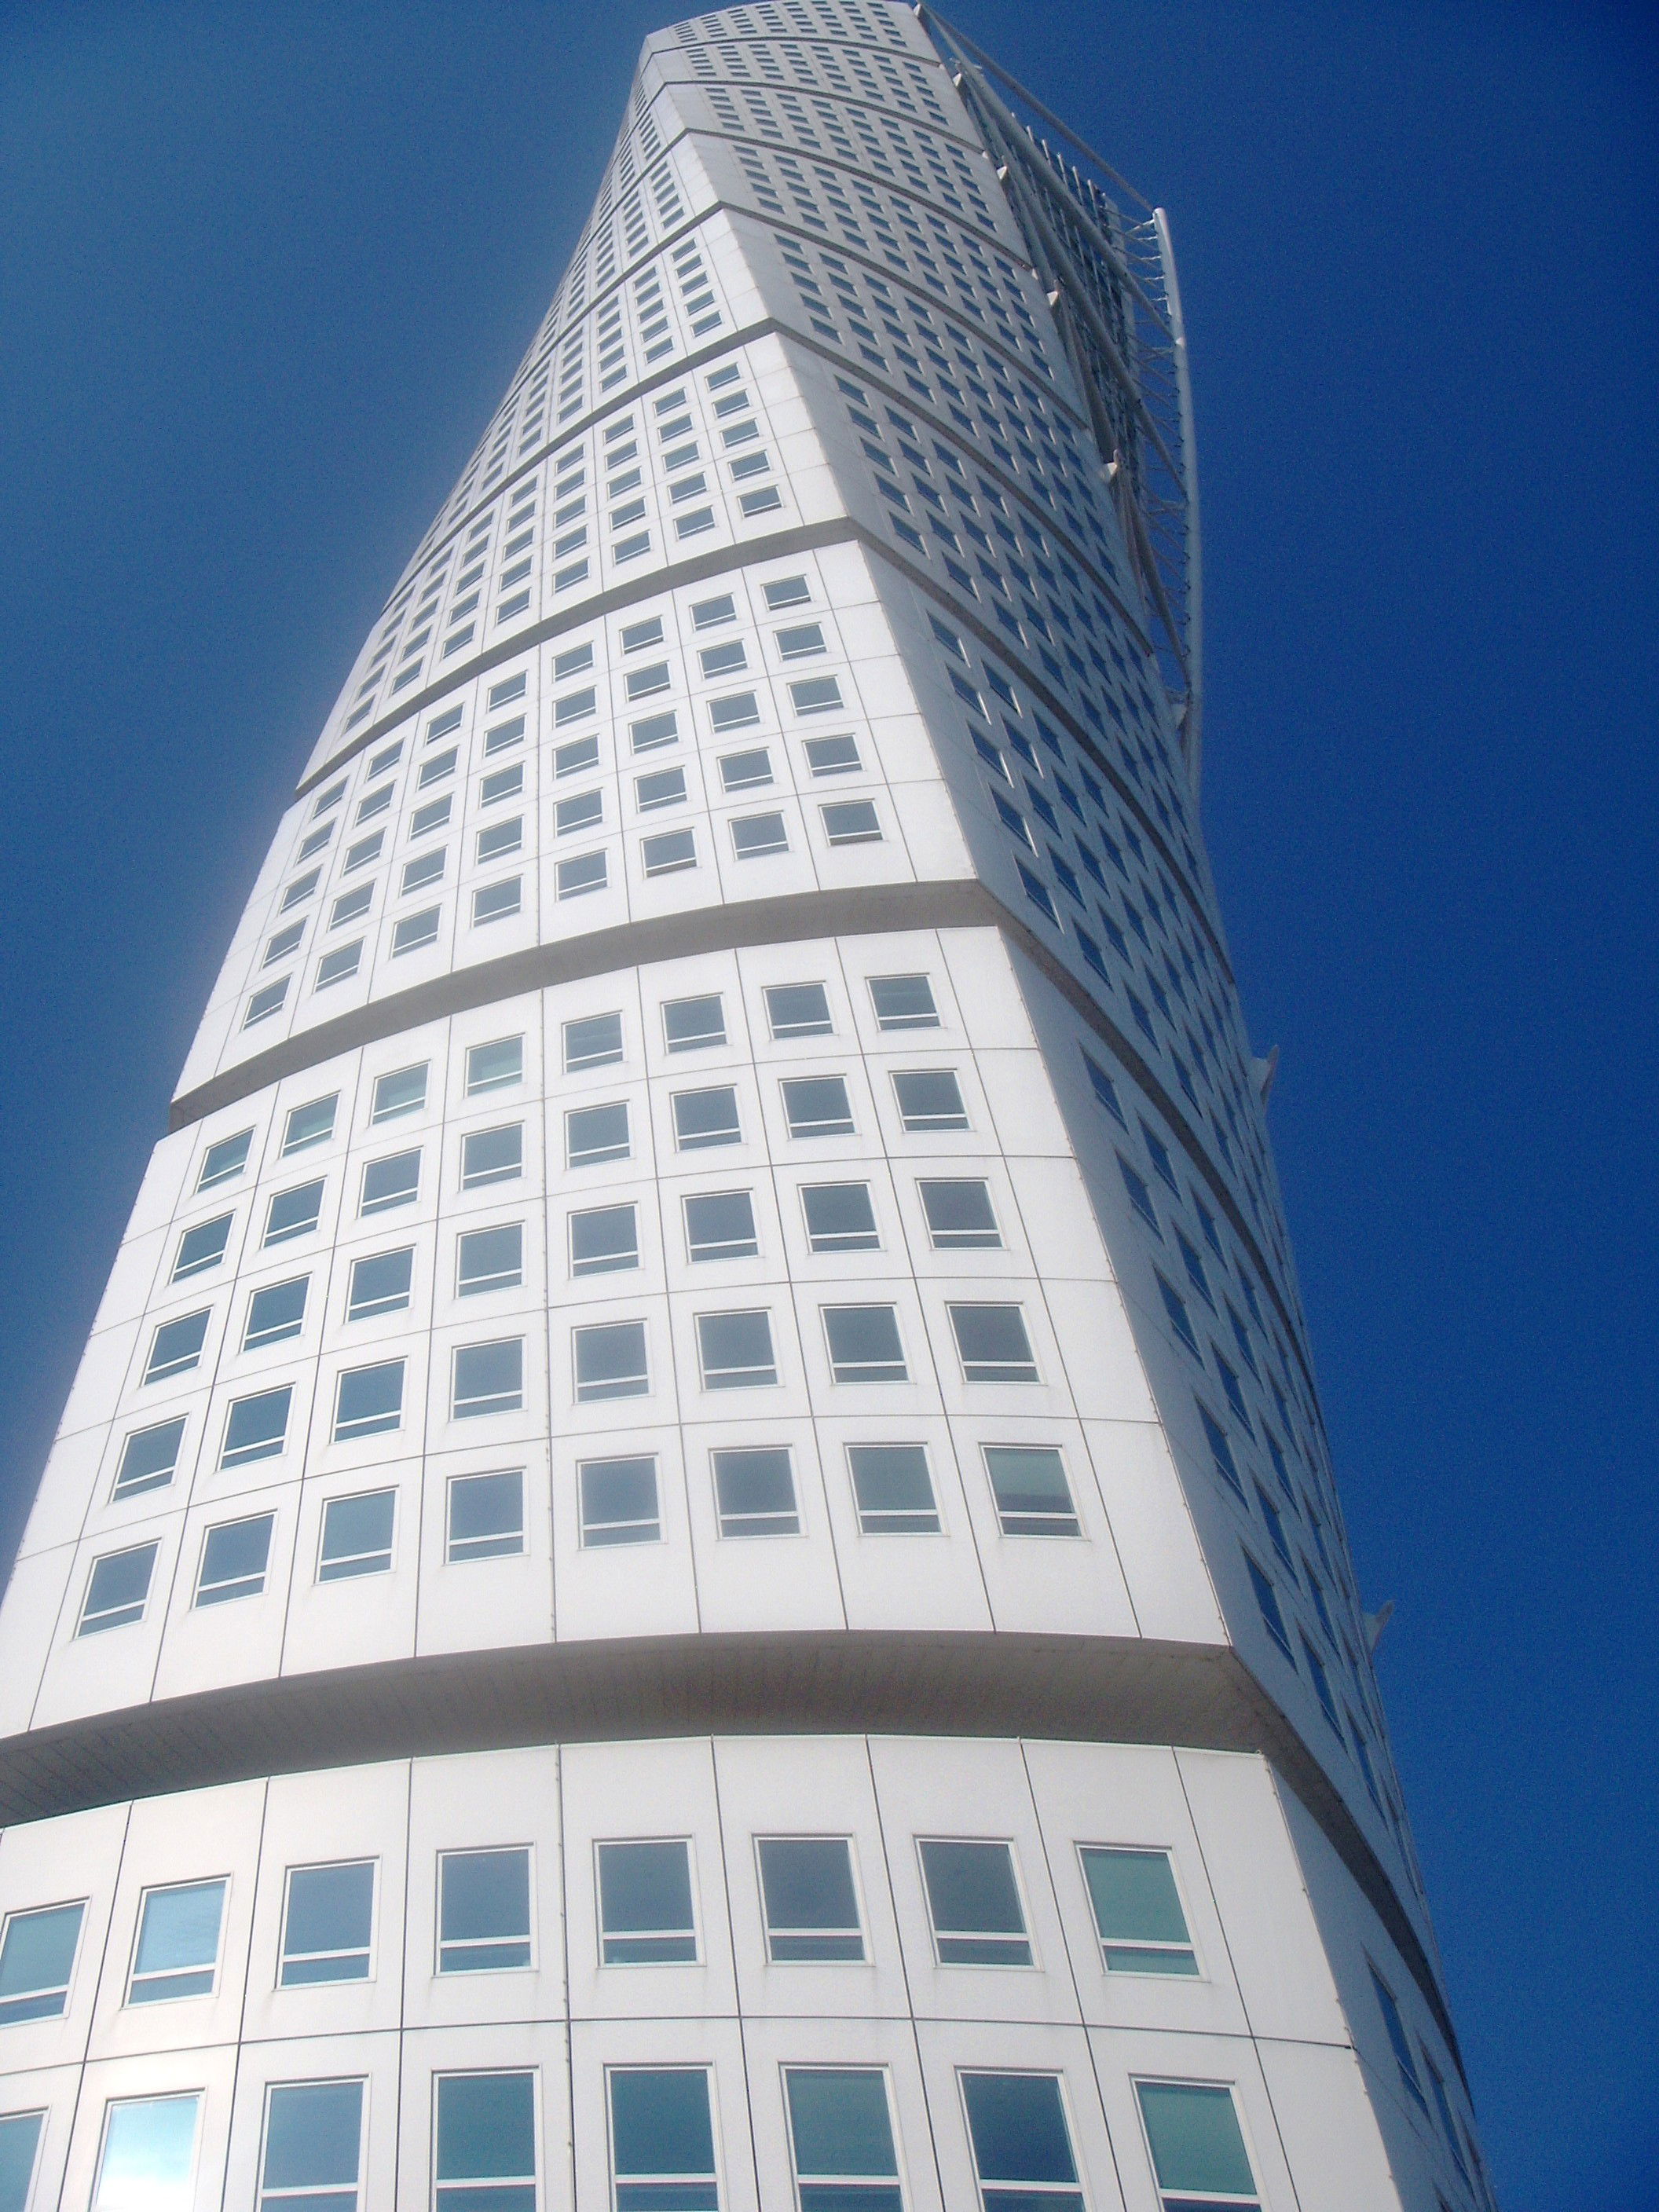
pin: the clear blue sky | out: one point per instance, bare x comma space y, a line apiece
266, 270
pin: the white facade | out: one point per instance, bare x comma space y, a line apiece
693, 1562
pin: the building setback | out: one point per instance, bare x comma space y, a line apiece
693, 1563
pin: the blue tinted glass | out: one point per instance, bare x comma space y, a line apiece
312, 2133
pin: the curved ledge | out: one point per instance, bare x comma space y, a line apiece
1091, 1689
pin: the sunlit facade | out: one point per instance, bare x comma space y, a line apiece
693, 1563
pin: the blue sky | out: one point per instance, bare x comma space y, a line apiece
268, 268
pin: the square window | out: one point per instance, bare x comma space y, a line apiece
418, 874
836, 756
690, 1024
669, 852
494, 1066
403, 1091
619, 1503
1022, 2145
745, 771
149, 1459
959, 1215
490, 1259
603, 1239
37, 1958
840, 1218
754, 836
863, 1343
357, 1536
294, 1212
489, 1378
201, 1248
148, 2154
721, 1226
257, 1427
734, 1350
484, 1911
489, 1156
328, 1924
1197, 2145
661, 2126
486, 1516
596, 1041
176, 1347
840, 2139
234, 1559
974, 1904
1028, 1482
1137, 1909
893, 1490
810, 1901
816, 1106
705, 1118
609, 1361
795, 1009
903, 1002
851, 822
593, 1134
223, 1161
416, 930
755, 1492
177, 1954
379, 1283
392, 1181
312, 2157
645, 1903
929, 1098
992, 1344
816, 694
311, 1124
369, 1400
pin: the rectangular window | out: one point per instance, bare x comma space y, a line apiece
395, 1181
593, 1042
571, 879
148, 2154
313, 2149
484, 2151
1197, 2145
973, 1903
1023, 2154
619, 1502
893, 1490
495, 901
368, 1401
257, 1427
734, 1350
745, 771
652, 730
1399, 2041
754, 836
704, 1118
735, 712
816, 1106
797, 1010
224, 1161
929, 1098
265, 1002
418, 874
489, 1378
812, 1902
37, 1958
959, 1216
992, 1344
177, 1954
494, 1066
328, 1922
433, 815
662, 2140
484, 1911
1028, 1482
593, 1133
335, 967
20, 2145
755, 1492
176, 1347
609, 1359
492, 1155
1137, 1908
202, 1248
840, 1216
403, 1091
721, 1226
666, 855
816, 694
645, 1903
149, 1458
233, 1560
117, 1589
863, 1343
486, 1516
357, 1536
308, 1125
688, 1024
603, 1240
1266, 1597
379, 1284
837, 756
903, 1002
294, 1212
851, 822
840, 2139
490, 1259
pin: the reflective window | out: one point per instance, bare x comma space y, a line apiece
148, 2160
311, 1124
202, 1248
149, 1458
403, 1091
593, 1133
662, 2140
645, 1915
369, 1400
1022, 2153
177, 1949
1032, 1497
929, 1098
795, 1009
484, 2153
328, 1924
494, 1066
294, 1212
117, 1589
841, 2138
490, 1259
811, 1902
233, 1557
603, 1240
379, 1284
484, 1911
1197, 2145
312, 2158
176, 1347
594, 1041
734, 1350
19, 2143
489, 1378
993, 1345
486, 1516
903, 1002
959, 1216
973, 1903
37, 1957
863, 1343
492, 1155
357, 1536
619, 1502
840, 1216
275, 1313
755, 1492
816, 1106
395, 1181
703, 1118
721, 1226
610, 1360
688, 1024
893, 1490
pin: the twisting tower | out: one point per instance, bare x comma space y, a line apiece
693, 1563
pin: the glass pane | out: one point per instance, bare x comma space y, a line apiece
596, 1133
483, 1918
489, 1377
930, 1099
1018, 2128
20, 2137
687, 1023
1028, 1482
660, 2123
645, 1903
863, 1343
593, 1042
721, 1226
233, 1560
379, 1284
604, 1240
974, 1902
705, 1117
36, 1956
959, 1215
331, 1915
619, 1502
178, 1942
903, 1002
811, 1906
275, 1312
489, 1259
840, 1216
148, 1458
487, 2132
1134, 1896
735, 1350
1194, 2135
357, 1535
611, 1360
370, 1399
150, 2155
486, 1516
816, 1106
798, 1010
492, 1067
894, 1490
313, 2131
840, 2122
756, 1492
993, 1343
257, 1427
492, 1155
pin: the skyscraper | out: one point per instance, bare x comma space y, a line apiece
693, 1563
